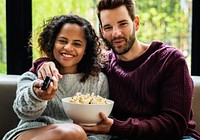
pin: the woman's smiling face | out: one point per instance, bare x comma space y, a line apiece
69, 48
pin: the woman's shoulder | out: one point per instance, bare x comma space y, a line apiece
102, 75
28, 75
99, 77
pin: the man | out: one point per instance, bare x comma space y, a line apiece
150, 84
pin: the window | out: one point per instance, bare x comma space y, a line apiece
3, 36
168, 21
165, 20
42, 10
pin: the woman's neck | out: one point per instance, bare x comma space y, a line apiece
65, 70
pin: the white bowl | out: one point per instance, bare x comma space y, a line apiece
86, 114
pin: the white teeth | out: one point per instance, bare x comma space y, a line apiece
67, 55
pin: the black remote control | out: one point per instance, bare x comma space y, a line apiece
46, 83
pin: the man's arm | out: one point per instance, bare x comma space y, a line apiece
43, 67
37, 64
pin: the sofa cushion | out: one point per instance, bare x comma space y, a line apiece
8, 118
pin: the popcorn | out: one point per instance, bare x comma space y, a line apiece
88, 99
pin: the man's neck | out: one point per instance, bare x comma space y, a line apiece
137, 50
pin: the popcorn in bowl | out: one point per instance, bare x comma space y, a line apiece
85, 109
88, 99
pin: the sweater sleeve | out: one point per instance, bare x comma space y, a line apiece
27, 105
37, 64
104, 88
170, 121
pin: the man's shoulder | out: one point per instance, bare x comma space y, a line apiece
163, 47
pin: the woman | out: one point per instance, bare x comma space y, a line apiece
71, 43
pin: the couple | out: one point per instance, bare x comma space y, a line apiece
150, 84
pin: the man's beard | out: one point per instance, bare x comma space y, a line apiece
127, 47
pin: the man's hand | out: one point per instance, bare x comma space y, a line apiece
48, 69
101, 128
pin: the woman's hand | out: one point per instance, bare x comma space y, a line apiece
102, 128
48, 68
47, 94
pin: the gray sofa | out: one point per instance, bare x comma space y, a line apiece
9, 120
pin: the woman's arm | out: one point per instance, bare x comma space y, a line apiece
27, 105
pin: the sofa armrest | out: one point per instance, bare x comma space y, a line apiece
8, 118
196, 101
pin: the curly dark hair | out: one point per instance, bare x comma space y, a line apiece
91, 61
